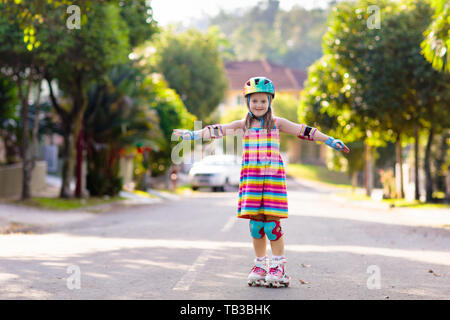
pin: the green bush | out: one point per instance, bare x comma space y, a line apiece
99, 184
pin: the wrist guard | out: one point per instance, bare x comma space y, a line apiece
215, 131
193, 135
307, 133
333, 143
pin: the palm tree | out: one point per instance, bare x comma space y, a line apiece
115, 119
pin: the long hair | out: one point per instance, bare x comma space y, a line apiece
269, 121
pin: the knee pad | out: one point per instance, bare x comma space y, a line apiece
257, 229
273, 230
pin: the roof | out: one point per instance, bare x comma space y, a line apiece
283, 78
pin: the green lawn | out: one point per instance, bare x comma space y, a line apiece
398, 203
66, 204
340, 179
402, 203
319, 174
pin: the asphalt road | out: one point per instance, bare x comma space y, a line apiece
196, 248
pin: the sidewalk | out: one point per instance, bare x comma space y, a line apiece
21, 218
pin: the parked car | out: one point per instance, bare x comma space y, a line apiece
219, 172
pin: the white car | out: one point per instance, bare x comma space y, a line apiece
221, 172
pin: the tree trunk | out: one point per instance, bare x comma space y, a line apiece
368, 174
25, 152
416, 163
354, 180
399, 160
67, 168
427, 167
37, 110
70, 121
80, 104
79, 163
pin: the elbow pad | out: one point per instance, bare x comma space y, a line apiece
307, 133
215, 131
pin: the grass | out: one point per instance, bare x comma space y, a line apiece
398, 203
319, 174
182, 189
143, 194
340, 179
403, 203
66, 204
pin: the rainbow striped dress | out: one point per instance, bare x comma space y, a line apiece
262, 186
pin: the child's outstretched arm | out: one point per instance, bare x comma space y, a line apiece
211, 131
305, 132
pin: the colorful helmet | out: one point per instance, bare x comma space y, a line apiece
259, 84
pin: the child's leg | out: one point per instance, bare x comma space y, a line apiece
277, 246
259, 245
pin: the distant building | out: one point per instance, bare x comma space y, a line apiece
287, 81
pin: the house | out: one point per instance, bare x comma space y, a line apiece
287, 81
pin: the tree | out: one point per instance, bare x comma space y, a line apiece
328, 103
76, 57
386, 64
115, 120
9, 119
264, 31
436, 44
21, 64
172, 114
192, 65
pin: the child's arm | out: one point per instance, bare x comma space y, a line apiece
305, 132
210, 132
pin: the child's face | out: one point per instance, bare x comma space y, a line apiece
259, 103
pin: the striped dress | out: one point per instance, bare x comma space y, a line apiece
262, 187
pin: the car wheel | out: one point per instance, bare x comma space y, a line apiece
227, 186
195, 188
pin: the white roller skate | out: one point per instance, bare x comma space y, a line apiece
277, 277
258, 273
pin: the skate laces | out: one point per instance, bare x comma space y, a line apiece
260, 266
259, 270
276, 271
277, 267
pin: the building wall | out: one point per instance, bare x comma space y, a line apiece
11, 179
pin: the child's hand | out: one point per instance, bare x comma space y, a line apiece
184, 134
337, 145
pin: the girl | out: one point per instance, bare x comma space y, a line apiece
262, 187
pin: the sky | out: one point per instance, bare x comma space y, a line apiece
172, 11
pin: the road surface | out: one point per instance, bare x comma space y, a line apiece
196, 248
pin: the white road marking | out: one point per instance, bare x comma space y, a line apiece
229, 224
186, 281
